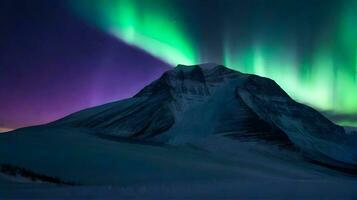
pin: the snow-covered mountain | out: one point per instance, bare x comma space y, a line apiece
207, 106
191, 102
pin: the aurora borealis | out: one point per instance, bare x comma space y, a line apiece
322, 74
108, 49
151, 25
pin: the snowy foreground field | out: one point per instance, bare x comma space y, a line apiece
182, 172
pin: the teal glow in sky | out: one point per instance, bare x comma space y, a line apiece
151, 26
326, 79
309, 48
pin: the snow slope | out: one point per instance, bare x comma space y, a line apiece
112, 170
103, 168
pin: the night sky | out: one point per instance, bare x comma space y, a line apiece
57, 57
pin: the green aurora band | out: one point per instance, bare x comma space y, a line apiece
326, 81
152, 27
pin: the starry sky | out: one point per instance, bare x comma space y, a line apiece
57, 57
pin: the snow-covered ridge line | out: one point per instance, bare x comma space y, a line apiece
4, 130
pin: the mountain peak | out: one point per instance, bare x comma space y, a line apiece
203, 66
